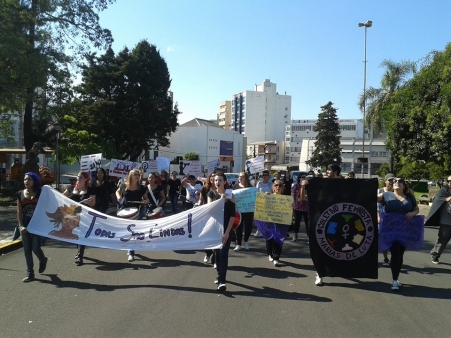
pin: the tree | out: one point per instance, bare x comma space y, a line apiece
124, 101
415, 170
191, 156
327, 145
37, 36
383, 170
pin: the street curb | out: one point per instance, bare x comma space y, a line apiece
8, 247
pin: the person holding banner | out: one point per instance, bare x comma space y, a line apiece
263, 186
155, 193
209, 185
439, 215
175, 185
82, 193
273, 248
27, 200
399, 201
222, 255
133, 196
300, 206
247, 218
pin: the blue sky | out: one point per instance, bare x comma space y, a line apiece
313, 50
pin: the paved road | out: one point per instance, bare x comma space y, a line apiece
171, 294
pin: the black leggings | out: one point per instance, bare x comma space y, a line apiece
297, 220
397, 256
247, 218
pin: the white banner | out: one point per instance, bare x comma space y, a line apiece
163, 163
149, 167
60, 218
121, 168
212, 165
190, 168
256, 164
91, 162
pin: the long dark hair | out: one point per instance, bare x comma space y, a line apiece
104, 174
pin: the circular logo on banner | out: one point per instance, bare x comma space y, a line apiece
345, 231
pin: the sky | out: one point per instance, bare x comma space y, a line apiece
312, 49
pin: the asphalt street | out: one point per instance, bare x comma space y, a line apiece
171, 294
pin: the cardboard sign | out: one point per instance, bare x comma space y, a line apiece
273, 208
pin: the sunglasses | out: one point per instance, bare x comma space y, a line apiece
399, 181
278, 185
390, 181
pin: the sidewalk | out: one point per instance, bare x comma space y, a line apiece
8, 221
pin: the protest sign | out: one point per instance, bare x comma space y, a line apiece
256, 164
148, 167
163, 163
121, 168
273, 208
91, 162
396, 227
245, 199
212, 165
190, 168
60, 218
343, 227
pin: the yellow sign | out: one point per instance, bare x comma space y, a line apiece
273, 208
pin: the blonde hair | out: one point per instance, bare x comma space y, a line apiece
129, 178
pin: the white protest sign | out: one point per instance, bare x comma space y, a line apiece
256, 164
163, 163
190, 168
212, 165
91, 162
121, 168
60, 218
149, 167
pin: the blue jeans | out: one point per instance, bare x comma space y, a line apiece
32, 243
222, 260
174, 200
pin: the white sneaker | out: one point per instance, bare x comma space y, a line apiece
395, 285
270, 258
206, 259
237, 248
222, 287
214, 266
276, 262
295, 238
318, 280
257, 234
131, 258
246, 246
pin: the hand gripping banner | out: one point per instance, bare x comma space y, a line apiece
60, 218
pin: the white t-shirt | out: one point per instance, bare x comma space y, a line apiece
191, 195
264, 187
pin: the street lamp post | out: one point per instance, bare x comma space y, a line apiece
363, 159
57, 127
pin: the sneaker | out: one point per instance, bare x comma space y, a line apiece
222, 287
237, 248
386, 262
270, 258
79, 261
318, 280
435, 260
246, 246
206, 259
295, 238
27, 279
216, 281
131, 258
395, 285
43, 265
215, 266
276, 262
257, 234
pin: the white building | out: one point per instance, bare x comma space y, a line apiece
300, 144
261, 114
210, 141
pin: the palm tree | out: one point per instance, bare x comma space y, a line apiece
394, 77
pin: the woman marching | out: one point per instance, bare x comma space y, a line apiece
175, 186
83, 194
133, 195
399, 201
27, 200
155, 193
273, 248
103, 190
247, 218
222, 255
300, 206
209, 185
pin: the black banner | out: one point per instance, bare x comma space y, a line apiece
343, 230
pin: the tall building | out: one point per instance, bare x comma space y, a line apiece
261, 114
225, 114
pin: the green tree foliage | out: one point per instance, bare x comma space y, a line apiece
383, 170
191, 156
124, 101
327, 145
415, 170
39, 38
436, 172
